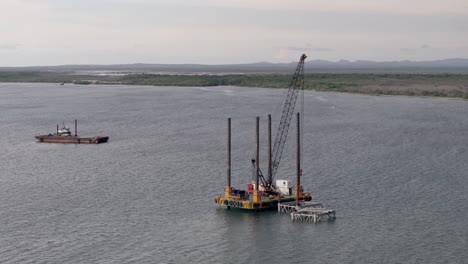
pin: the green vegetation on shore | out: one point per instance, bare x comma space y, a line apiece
443, 85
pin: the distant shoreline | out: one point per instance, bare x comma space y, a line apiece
422, 85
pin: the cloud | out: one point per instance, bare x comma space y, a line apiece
292, 53
171, 31
385, 6
321, 49
308, 48
422, 47
9, 46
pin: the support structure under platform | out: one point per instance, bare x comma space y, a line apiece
289, 207
313, 214
306, 211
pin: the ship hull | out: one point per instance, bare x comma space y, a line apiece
72, 139
248, 204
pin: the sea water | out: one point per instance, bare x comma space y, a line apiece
393, 168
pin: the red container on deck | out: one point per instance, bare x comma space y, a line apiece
249, 187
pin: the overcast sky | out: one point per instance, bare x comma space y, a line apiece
56, 32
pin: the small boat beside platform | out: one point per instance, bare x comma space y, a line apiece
64, 135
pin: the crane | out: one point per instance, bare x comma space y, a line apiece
288, 104
288, 109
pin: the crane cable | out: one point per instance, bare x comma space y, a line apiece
274, 116
301, 149
280, 105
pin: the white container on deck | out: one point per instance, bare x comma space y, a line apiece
284, 186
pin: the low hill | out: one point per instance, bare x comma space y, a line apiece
455, 65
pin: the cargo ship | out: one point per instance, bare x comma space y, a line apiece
64, 135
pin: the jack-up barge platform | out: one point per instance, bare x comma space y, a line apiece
261, 194
264, 193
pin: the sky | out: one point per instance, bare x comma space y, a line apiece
59, 32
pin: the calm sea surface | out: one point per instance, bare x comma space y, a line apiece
394, 168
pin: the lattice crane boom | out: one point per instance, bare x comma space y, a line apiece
296, 83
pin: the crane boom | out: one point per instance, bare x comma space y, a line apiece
296, 83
